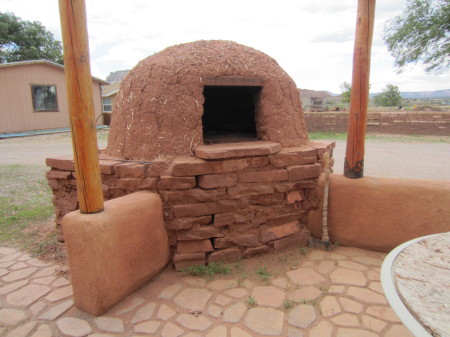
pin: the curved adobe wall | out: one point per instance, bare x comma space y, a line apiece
381, 213
158, 111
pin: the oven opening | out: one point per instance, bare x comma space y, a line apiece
229, 113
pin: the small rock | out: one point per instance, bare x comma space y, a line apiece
59, 294
198, 323
268, 296
346, 320
323, 329
371, 323
294, 333
234, 313
305, 276
329, 306
19, 274
305, 294
56, 311
218, 331
350, 305
147, 327
192, 299
8, 288
127, 305
171, 330
214, 311
11, 317
22, 330
266, 321
366, 295
110, 324
26, 295
348, 277
280, 282
223, 300
144, 313
74, 327
236, 332
43, 331
302, 316
165, 313
168, 292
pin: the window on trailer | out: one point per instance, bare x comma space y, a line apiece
107, 105
44, 97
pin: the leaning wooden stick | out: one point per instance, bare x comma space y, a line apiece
81, 105
325, 241
326, 187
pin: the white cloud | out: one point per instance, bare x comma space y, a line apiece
312, 40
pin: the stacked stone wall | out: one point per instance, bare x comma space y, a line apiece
215, 210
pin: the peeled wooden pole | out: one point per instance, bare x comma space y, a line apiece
359, 97
81, 104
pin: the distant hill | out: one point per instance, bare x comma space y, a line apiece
426, 94
422, 94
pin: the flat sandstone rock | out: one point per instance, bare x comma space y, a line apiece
233, 150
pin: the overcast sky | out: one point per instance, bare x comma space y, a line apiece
312, 40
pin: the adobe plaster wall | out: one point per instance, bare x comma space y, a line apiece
381, 213
115, 252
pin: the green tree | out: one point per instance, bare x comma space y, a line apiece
346, 89
390, 96
421, 34
25, 40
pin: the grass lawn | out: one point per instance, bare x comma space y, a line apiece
26, 209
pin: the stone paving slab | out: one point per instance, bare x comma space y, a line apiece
323, 294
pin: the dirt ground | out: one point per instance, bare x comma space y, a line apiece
397, 159
34, 149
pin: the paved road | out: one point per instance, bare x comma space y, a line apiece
383, 158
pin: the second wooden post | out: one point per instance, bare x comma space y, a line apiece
359, 97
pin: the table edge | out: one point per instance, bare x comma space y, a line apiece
391, 294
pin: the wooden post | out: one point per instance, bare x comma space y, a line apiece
81, 104
359, 97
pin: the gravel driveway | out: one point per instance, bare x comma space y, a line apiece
34, 149
383, 158
400, 160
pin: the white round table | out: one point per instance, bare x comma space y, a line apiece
416, 281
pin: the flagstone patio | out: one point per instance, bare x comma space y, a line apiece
306, 293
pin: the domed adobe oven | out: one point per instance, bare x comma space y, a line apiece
217, 129
204, 92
